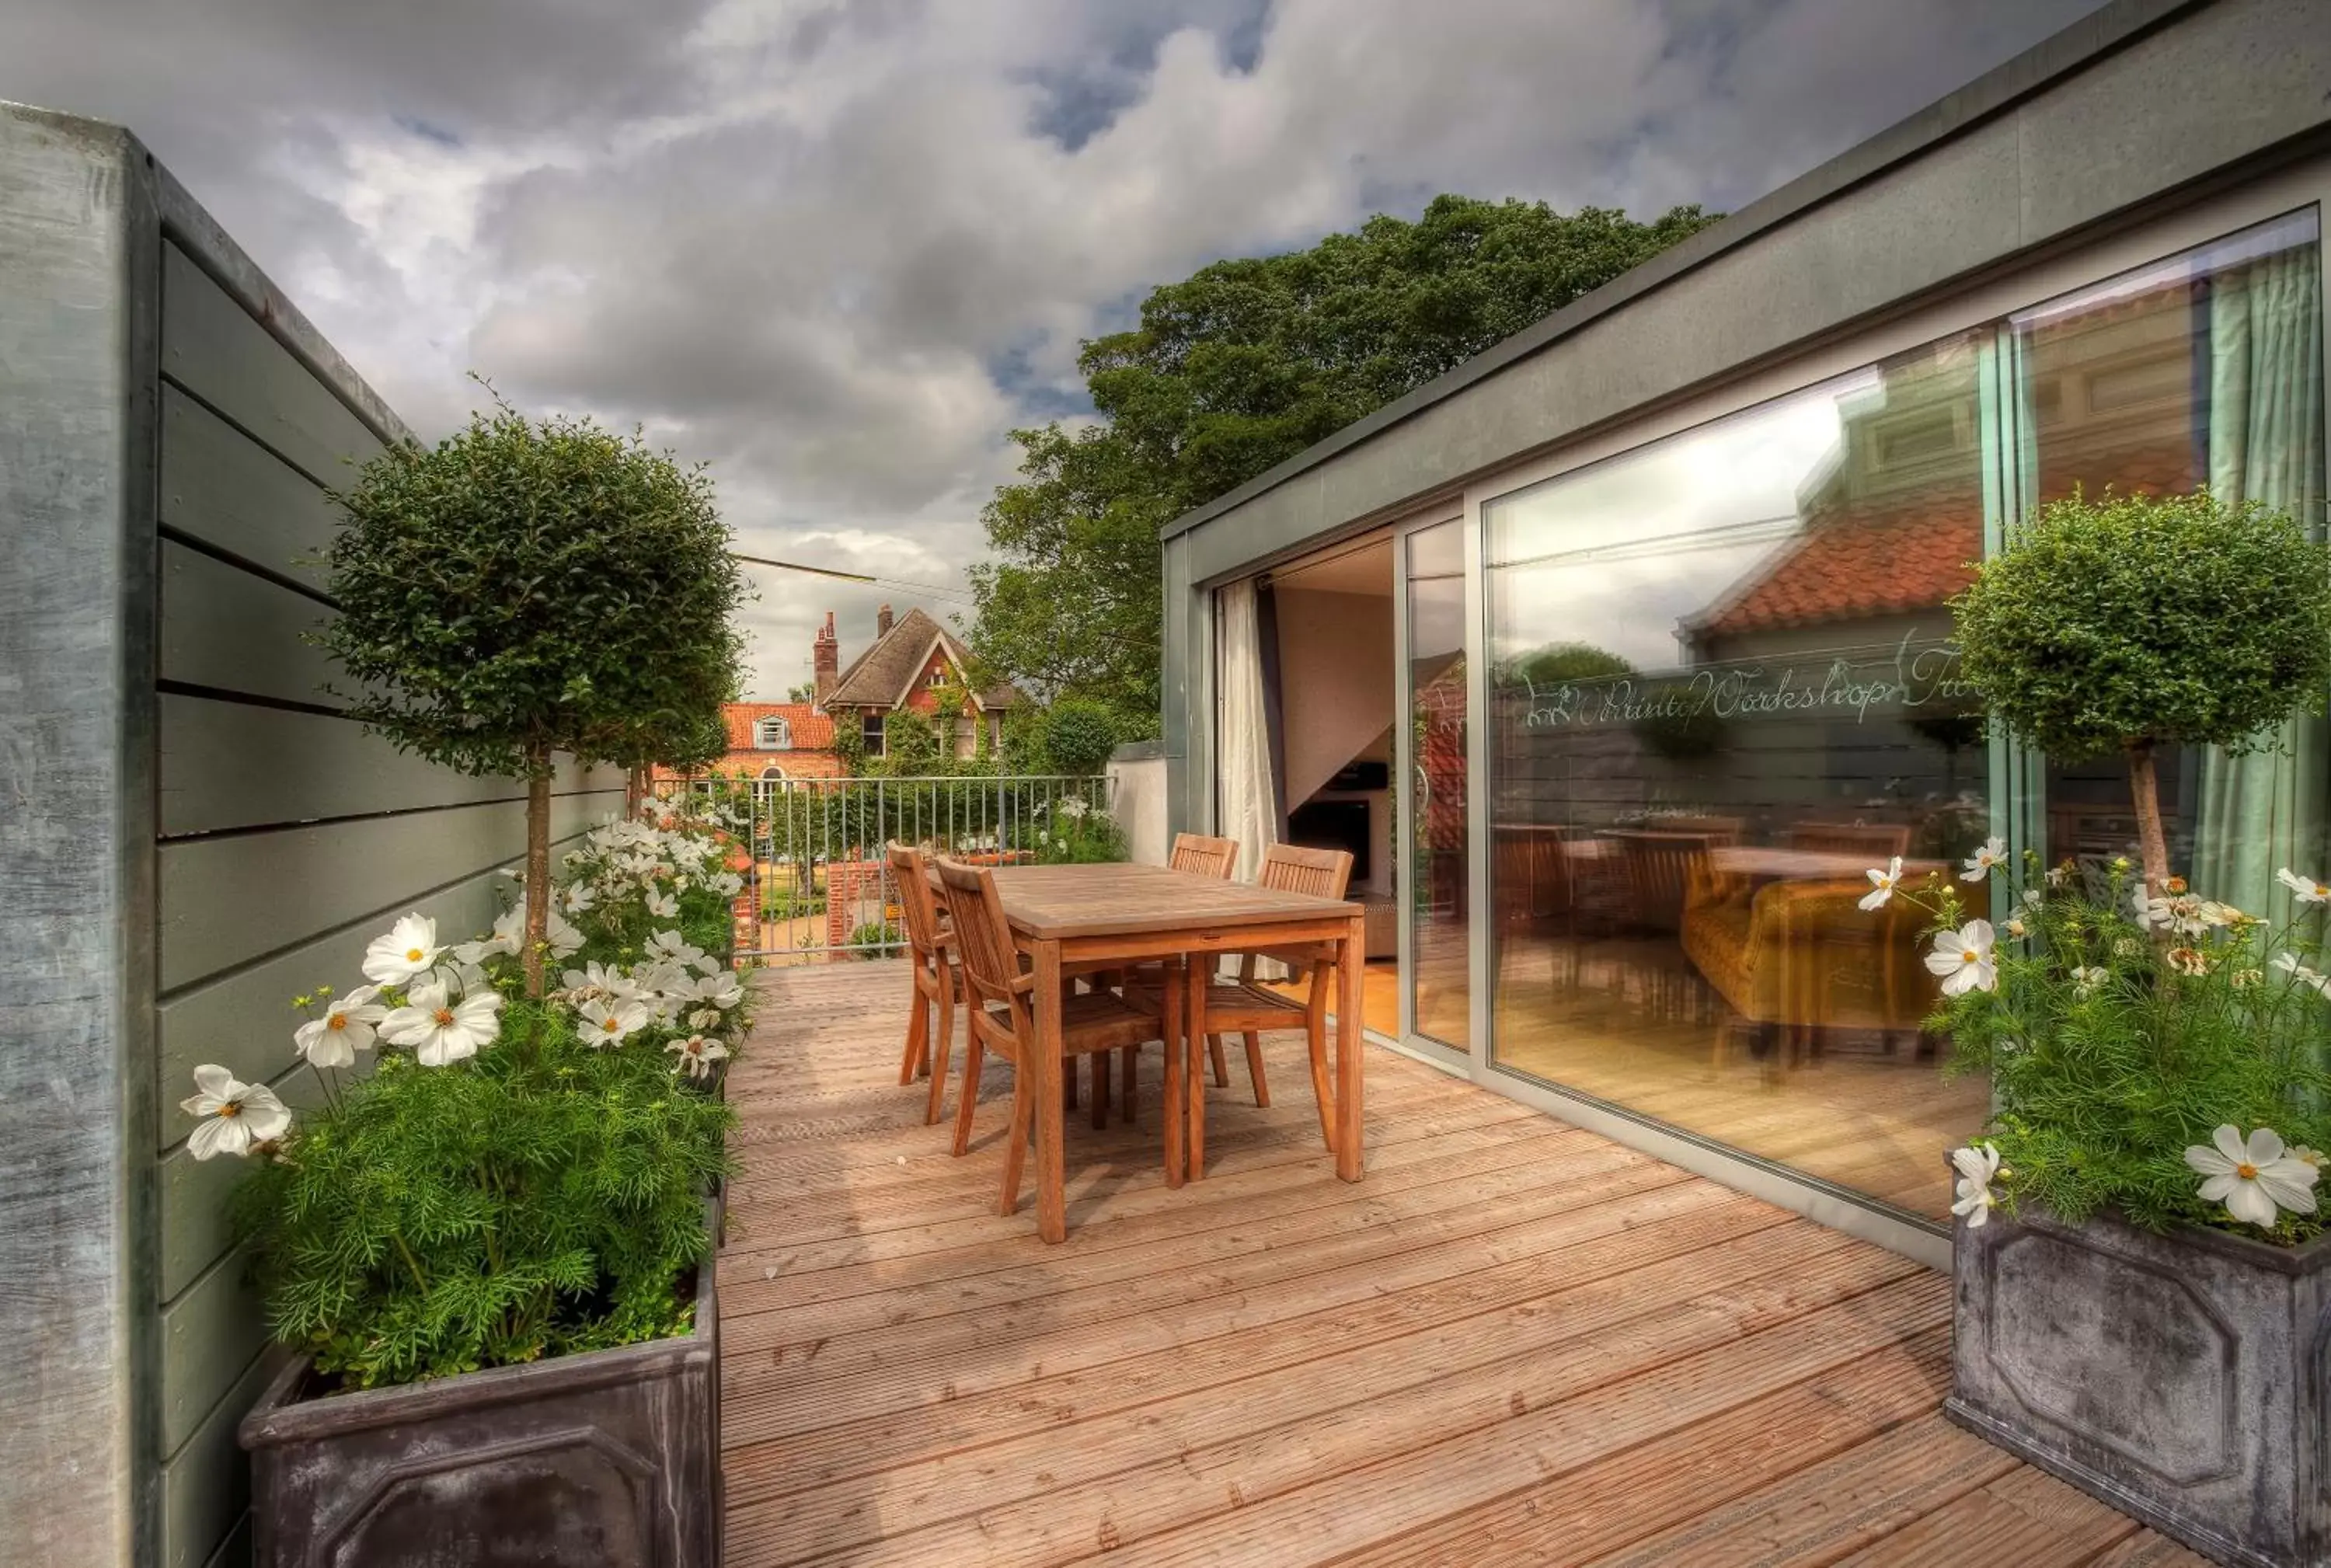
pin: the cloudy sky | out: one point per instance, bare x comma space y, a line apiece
839, 248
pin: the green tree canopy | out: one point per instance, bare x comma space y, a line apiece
520, 590
1238, 367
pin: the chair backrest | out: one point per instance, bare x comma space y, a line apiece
1659, 866
984, 937
1292, 869
1207, 857
917, 901
1876, 840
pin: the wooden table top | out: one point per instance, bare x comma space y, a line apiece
1051, 903
1777, 862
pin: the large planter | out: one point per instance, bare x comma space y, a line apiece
612, 1458
2182, 1378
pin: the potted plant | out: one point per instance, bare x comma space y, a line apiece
494, 1253
2142, 1284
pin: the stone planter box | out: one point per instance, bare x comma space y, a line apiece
611, 1458
2182, 1378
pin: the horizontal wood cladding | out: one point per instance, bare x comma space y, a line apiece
234, 631
227, 901
229, 766
236, 497
214, 349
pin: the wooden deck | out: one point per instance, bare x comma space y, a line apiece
1513, 1342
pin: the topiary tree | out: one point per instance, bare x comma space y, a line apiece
1080, 733
2130, 622
521, 590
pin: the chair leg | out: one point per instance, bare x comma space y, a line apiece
1100, 1059
1016, 1147
919, 1024
1254, 1069
1069, 1085
1221, 1063
974, 1058
1130, 1080
942, 1050
1314, 1034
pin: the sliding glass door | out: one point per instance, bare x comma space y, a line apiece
1435, 817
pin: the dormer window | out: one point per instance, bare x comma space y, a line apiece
772, 735
937, 679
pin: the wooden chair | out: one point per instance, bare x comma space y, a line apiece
936, 979
1202, 856
1245, 1007
1877, 841
1000, 1013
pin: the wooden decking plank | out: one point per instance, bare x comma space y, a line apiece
966, 1241
1187, 1362
1435, 1381
1688, 1495
1327, 1489
936, 1361
1512, 1343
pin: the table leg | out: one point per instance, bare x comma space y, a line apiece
1176, 1110
1051, 1125
1193, 1077
1349, 1072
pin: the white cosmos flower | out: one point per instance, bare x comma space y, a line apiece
406, 953
2086, 978
234, 1115
606, 1021
2306, 889
2255, 1178
672, 945
439, 1029
697, 1054
720, 991
1882, 883
578, 897
346, 1029
2290, 964
563, 939
704, 1018
727, 884
460, 977
1979, 864
593, 979
1964, 959
1977, 1164
662, 906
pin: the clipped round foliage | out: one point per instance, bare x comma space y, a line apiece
522, 588
1079, 736
2108, 623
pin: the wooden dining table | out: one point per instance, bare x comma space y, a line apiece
1072, 919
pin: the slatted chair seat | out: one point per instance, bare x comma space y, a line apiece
1001, 1020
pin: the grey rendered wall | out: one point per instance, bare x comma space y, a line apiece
264, 838
2139, 105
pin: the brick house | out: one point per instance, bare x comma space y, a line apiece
912, 662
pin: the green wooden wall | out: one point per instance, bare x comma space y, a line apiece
286, 836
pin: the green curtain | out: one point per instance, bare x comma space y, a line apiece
2266, 809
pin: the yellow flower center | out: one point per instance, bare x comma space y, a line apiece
2247, 1172
232, 1108
413, 954
610, 1026
2321, 891
1970, 956
337, 1021
444, 1017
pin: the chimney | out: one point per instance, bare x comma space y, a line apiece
825, 657
882, 622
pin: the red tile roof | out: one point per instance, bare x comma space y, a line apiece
1850, 568
812, 730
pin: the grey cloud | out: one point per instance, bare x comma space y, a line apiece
838, 250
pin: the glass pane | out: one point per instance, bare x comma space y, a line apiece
1440, 983
1723, 688
2205, 368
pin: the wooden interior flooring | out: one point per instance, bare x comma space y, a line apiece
1513, 1342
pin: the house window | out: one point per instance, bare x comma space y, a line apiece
966, 737
772, 771
937, 679
871, 728
772, 735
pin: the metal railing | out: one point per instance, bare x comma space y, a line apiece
818, 880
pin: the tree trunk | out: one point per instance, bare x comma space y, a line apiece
2144, 790
636, 790
538, 867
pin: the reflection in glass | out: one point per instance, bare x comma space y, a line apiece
1440, 986
2204, 368
1722, 688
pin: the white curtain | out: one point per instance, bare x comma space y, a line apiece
1249, 808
